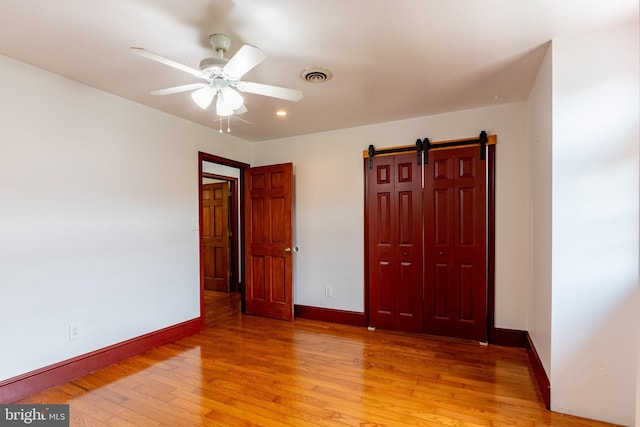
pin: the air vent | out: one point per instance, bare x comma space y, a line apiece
316, 75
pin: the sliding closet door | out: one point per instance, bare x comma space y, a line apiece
394, 221
455, 261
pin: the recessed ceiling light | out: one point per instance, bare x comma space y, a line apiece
281, 113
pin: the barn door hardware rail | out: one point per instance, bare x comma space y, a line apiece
424, 145
482, 141
418, 148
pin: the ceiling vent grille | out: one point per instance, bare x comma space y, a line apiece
316, 75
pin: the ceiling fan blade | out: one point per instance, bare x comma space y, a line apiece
268, 90
171, 63
179, 89
244, 60
240, 110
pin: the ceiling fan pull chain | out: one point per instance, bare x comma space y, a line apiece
229, 124
220, 117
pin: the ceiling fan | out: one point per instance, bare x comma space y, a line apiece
222, 77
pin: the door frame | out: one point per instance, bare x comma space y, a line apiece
206, 157
493, 334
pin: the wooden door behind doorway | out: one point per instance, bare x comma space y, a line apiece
215, 234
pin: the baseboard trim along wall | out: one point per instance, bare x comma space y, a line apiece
508, 337
538, 369
16, 388
330, 315
522, 339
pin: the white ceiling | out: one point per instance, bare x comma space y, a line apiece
391, 59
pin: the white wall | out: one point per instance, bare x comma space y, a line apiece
329, 201
98, 198
595, 224
540, 145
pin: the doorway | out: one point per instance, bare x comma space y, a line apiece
221, 214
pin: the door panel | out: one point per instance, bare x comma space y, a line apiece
268, 241
278, 272
465, 302
384, 216
395, 241
215, 234
441, 297
455, 244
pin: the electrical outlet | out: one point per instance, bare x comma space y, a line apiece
328, 290
74, 330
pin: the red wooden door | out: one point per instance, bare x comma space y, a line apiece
215, 236
394, 212
455, 244
268, 241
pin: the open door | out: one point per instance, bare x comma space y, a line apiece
268, 241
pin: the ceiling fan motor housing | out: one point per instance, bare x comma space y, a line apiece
212, 66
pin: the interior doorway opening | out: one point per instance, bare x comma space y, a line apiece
221, 228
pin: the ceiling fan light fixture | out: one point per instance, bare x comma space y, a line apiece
203, 97
222, 110
231, 98
228, 101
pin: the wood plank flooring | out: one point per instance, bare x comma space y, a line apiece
250, 371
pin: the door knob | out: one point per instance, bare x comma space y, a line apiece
287, 250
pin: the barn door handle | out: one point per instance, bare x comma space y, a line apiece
287, 250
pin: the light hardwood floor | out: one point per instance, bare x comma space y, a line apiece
245, 370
